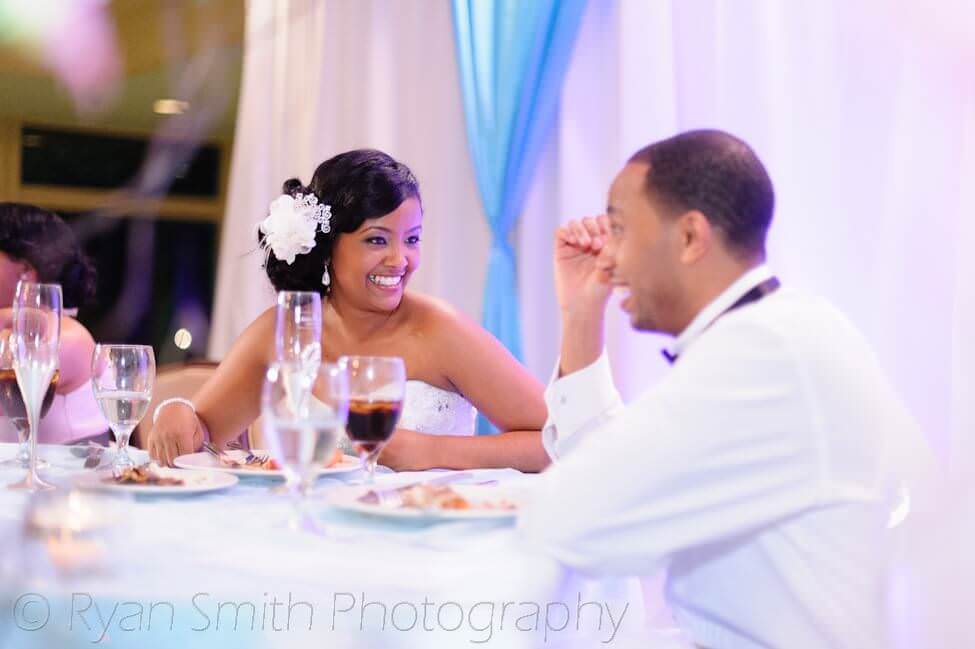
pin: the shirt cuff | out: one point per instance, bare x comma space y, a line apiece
577, 403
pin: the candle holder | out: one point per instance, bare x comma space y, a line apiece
71, 528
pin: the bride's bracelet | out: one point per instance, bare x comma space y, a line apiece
185, 402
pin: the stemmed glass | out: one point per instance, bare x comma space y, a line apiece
298, 327
376, 387
123, 377
35, 339
298, 334
303, 413
12, 403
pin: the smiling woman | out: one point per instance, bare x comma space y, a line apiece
357, 186
353, 236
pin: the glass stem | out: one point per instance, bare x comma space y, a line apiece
122, 460
32, 417
122, 441
371, 460
32, 481
23, 454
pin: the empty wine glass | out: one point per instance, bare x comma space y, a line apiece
303, 417
36, 334
298, 327
123, 377
376, 387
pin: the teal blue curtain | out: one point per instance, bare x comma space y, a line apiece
512, 56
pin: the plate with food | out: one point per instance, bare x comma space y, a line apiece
156, 480
429, 501
258, 463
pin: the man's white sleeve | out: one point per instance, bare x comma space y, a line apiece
578, 403
721, 447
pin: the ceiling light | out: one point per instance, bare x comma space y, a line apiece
170, 106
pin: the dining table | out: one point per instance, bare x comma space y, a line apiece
238, 567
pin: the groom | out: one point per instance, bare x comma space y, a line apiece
761, 471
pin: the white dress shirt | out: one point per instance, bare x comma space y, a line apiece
760, 472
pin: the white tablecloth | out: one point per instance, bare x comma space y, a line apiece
225, 570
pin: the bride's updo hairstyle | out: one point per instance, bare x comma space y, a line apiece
358, 185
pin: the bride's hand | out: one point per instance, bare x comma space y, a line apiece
408, 450
581, 271
175, 433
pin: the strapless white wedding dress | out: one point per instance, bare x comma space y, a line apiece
433, 410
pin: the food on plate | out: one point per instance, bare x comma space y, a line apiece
143, 475
264, 462
424, 496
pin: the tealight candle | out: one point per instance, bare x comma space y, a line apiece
69, 526
70, 553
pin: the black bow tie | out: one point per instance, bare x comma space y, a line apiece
754, 295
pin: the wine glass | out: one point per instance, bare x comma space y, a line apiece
376, 386
122, 377
12, 403
298, 327
303, 413
35, 339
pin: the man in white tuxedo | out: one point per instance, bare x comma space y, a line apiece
762, 470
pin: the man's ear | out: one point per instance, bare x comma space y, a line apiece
696, 236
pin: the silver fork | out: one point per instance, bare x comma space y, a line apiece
250, 457
220, 455
212, 450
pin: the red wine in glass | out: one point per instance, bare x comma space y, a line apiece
371, 423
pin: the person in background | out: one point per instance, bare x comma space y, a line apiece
762, 471
38, 246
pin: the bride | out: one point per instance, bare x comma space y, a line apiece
362, 262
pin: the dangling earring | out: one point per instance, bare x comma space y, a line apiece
326, 278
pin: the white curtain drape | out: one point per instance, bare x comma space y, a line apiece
325, 76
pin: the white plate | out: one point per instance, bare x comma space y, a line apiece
193, 482
347, 498
204, 460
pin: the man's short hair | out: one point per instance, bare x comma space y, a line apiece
718, 175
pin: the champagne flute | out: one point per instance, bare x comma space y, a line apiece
376, 387
298, 327
35, 338
303, 425
123, 377
298, 334
12, 403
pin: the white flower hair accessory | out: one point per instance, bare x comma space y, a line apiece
291, 224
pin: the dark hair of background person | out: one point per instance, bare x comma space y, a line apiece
42, 239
